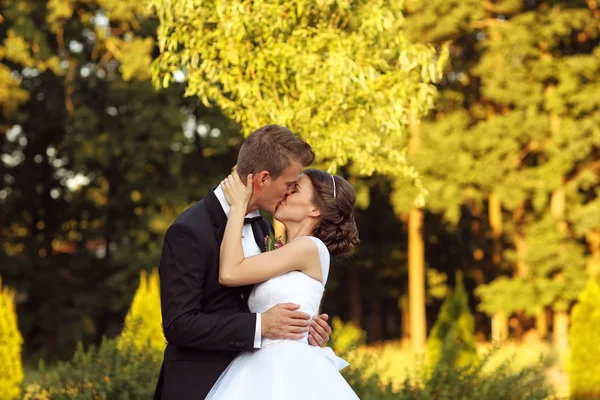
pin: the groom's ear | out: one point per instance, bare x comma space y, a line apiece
262, 178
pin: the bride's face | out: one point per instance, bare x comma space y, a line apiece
298, 205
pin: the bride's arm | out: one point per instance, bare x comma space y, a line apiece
234, 269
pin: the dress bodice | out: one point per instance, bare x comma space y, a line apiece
292, 287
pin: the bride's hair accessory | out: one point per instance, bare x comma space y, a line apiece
336, 225
333, 179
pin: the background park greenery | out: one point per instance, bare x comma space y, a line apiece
117, 115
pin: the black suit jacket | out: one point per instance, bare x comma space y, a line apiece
206, 324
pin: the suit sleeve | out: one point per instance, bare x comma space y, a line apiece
182, 270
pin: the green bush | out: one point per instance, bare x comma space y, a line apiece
584, 338
454, 314
363, 373
104, 373
143, 318
11, 368
447, 381
113, 373
442, 381
364, 377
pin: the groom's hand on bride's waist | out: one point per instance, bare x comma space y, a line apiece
284, 321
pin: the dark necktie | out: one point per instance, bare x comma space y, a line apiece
252, 220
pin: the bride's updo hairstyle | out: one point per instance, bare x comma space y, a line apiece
335, 198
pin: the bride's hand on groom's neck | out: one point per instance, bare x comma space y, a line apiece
236, 192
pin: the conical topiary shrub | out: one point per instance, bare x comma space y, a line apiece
142, 323
11, 368
584, 338
454, 315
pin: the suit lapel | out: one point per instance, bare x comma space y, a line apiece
217, 215
219, 221
220, 233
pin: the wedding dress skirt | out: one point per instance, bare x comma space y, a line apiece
286, 370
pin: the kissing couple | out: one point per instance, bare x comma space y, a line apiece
242, 322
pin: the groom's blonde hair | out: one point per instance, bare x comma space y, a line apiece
272, 148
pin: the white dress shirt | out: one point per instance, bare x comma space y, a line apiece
249, 247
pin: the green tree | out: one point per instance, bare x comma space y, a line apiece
550, 49
11, 342
455, 318
144, 316
340, 73
95, 165
583, 367
511, 118
437, 149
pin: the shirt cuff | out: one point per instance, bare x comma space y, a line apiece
258, 332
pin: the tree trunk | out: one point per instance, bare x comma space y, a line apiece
561, 318
557, 204
541, 324
593, 265
416, 258
499, 327
557, 208
416, 280
354, 297
561, 331
495, 217
499, 319
521, 247
521, 269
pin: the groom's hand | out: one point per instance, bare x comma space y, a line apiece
283, 321
319, 330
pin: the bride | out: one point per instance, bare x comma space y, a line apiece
319, 220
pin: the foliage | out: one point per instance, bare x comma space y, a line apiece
554, 149
345, 336
551, 254
341, 73
515, 119
362, 374
446, 381
455, 319
11, 369
144, 316
104, 373
584, 353
95, 165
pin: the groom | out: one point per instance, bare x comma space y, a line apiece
206, 325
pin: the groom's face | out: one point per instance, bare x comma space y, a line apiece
274, 191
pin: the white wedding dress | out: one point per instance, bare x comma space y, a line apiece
286, 369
